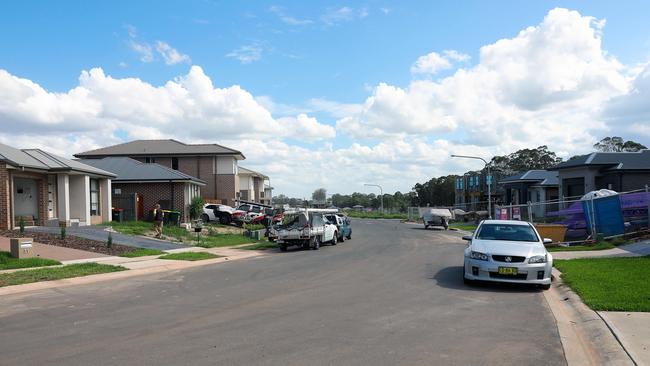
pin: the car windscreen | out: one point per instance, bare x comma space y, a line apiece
507, 232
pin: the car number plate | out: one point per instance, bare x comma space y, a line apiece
508, 271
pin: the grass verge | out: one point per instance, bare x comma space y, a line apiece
462, 226
57, 273
601, 245
260, 246
142, 252
223, 240
610, 284
9, 262
376, 215
190, 256
181, 235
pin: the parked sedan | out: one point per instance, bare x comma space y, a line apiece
507, 251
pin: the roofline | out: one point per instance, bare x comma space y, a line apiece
125, 181
57, 170
120, 155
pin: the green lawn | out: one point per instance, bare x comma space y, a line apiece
376, 215
612, 284
56, 273
462, 226
260, 246
601, 245
141, 252
9, 262
190, 256
181, 235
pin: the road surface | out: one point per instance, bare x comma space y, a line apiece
393, 295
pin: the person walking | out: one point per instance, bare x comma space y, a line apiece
158, 216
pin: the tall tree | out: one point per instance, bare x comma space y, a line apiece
525, 159
618, 144
319, 195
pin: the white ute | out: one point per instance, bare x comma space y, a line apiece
308, 229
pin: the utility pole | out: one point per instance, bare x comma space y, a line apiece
488, 179
381, 192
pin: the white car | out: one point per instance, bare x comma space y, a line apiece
507, 251
214, 212
307, 229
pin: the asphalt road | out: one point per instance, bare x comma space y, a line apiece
393, 295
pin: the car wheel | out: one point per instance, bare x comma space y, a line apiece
342, 238
426, 227
465, 279
315, 243
283, 247
307, 244
271, 239
223, 219
545, 287
335, 239
205, 218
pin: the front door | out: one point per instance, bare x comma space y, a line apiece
26, 198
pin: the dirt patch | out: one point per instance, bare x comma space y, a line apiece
70, 241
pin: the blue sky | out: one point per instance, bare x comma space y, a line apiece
288, 54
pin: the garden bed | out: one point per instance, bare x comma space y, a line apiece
70, 241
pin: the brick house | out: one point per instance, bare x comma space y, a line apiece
254, 186
213, 164
45, 189
138, 186
618, 171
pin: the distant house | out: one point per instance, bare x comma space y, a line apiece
618, 171
213, 164
531, 186
45, 189
254, 186
471, 191
138, 186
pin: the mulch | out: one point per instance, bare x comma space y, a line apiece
70, 241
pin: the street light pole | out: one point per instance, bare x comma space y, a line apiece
381, 192
489, 179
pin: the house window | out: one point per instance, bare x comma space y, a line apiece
94, 197
175, 163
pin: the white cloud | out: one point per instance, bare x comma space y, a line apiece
307, 128
246, 54
546, 85
335, 16
170, 54
288, 19
144, 50
430, 64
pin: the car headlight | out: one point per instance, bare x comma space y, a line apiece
537, 259
478, 255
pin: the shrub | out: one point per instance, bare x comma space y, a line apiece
196, 207
21, 226
62, 232
109, 241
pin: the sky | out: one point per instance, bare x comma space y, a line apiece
327, 94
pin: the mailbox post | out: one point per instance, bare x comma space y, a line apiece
22, 248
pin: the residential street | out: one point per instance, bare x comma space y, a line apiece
391, 295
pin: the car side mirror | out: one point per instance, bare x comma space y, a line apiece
548, 241
467, 237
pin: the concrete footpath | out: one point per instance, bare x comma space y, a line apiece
631, 330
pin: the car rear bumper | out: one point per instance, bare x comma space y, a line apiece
538, 273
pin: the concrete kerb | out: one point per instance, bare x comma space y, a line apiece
585, 337
140, 268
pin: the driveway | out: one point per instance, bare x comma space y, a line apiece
98, 233
393, 295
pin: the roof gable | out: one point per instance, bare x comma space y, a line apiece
128, 169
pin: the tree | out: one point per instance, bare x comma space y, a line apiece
523, 160
319, 195
618, 144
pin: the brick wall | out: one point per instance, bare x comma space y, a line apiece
5, 193
153, 193
226, 188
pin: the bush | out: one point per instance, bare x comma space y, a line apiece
109, 241
254, 227
62, 232
21, 226
196, 207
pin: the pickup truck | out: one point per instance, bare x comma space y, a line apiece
306, 229
343, 225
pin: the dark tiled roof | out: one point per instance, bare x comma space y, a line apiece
540, 177
160, 147
130, 170
43, 160
610, 161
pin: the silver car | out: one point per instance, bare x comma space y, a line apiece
507, 251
